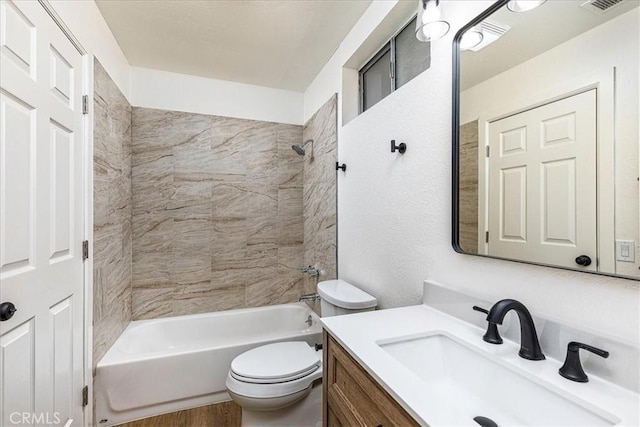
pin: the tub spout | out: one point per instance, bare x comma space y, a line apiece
309, 298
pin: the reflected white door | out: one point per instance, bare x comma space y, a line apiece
542, 183
41, 219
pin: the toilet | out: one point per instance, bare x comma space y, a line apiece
279, 384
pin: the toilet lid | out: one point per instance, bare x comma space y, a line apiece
276, 362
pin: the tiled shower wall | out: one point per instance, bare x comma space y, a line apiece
469, 187
319, 198
217, 213
112, 237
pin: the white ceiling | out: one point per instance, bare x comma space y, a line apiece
274, 43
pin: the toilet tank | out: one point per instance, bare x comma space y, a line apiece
339, 297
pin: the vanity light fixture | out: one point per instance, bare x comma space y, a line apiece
429, 26
524, 5
471, 38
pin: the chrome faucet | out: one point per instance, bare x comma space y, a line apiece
529, 345
309, 298
311, 271
309, 321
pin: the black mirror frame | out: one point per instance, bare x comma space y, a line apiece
455, 122
455, 149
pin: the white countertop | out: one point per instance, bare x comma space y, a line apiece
359, 334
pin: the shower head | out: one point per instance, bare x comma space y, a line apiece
300, 148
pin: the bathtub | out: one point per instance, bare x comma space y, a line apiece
165, 365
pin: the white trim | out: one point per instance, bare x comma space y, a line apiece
65, 30
88, 221
483, 180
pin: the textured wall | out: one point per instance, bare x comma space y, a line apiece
112, 238
395, 211
320, 193
217, 213
469, 187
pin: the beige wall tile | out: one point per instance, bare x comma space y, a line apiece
211, 198
112, 233
469, 187
319, 194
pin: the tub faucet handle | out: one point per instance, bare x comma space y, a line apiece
311, 271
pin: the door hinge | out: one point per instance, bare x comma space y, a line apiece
85, 104
85, 250
486, 237
85, 396
488, 150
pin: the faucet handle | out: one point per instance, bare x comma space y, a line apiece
492, 335
480, 309
572, 368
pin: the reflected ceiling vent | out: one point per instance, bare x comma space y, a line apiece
600, 6
491, 31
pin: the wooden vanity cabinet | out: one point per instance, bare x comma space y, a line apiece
351, 397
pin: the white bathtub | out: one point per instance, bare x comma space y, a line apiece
165, 365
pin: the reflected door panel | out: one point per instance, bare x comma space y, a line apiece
542, 171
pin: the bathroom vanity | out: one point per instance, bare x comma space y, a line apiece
429, 365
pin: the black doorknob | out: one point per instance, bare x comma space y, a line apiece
583, 260
6, 311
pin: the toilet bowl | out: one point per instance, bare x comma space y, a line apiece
274, 376
268, 382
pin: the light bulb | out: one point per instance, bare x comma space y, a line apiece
524, 5
429, 27
471, 39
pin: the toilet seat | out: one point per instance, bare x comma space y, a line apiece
274, 370
273, 381
275, 363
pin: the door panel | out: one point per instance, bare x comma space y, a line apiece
18, 388
61, 77
513, 212
17, 37
62, 192
558, 211
41, 219
542, 181
61, 318
17, 126
513, 141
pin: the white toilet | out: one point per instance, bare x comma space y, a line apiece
278, 384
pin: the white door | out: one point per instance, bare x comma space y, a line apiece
41, 219
542, 183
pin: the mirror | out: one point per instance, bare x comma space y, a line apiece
546, 138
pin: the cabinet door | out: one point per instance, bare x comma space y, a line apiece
352, 397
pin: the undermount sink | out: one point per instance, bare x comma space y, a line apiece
467, 383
